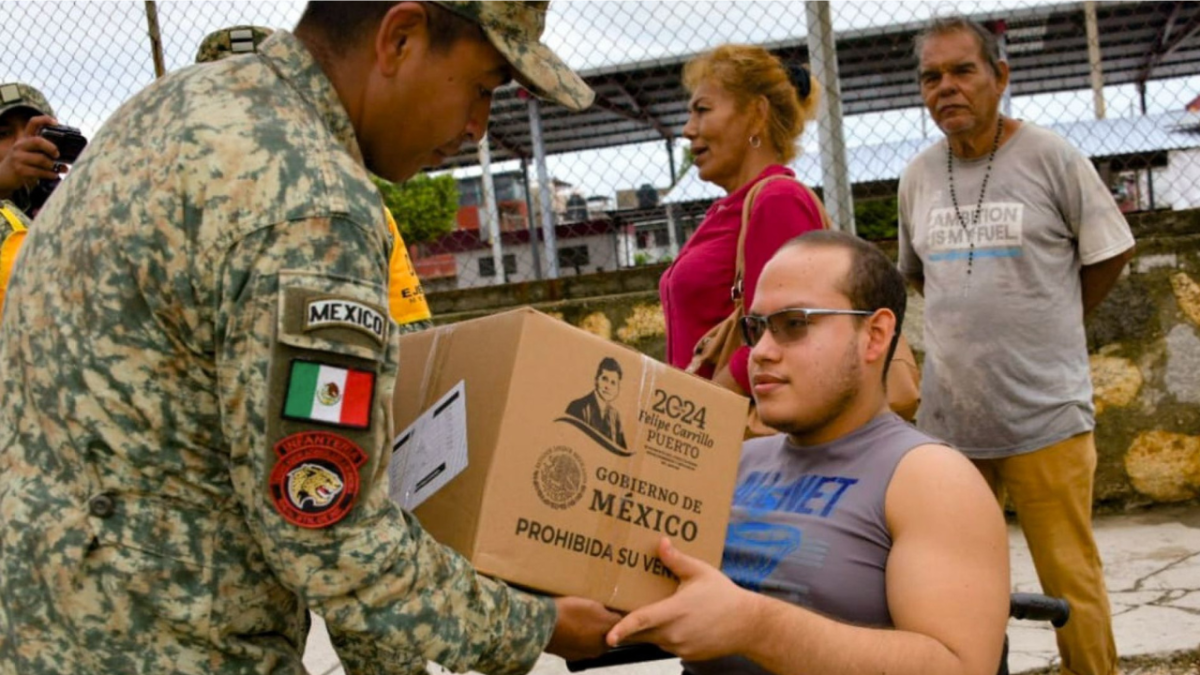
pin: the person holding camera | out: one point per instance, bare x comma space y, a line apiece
25, 159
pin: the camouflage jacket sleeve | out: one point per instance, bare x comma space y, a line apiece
306, 360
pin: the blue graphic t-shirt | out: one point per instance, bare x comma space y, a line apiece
808, 524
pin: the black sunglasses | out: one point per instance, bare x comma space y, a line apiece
787, 325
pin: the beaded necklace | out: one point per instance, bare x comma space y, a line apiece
982, 191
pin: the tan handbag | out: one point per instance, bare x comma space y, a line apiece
716, 347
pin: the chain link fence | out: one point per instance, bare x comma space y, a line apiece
611, 188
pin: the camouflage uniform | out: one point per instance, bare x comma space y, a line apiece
158, 315
406, 298
231, 41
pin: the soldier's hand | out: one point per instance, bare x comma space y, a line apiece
29, 159
582, 625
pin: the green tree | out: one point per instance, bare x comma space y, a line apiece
876, 219
423, 206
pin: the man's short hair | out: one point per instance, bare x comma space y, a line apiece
610, 364
873, 281
989, 46
341, 23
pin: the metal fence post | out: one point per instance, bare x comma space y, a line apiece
1000, 30
835, 179
529, 224
491, 213
1096, 70
545, 188
672, 231
156, 49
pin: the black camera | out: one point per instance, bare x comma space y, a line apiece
68, 140
70, 144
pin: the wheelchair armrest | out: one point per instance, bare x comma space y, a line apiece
619, 656
1037, 607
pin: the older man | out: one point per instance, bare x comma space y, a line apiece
1012, 237
198, 368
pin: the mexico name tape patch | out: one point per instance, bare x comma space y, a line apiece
339, 313
315, 480
319, 392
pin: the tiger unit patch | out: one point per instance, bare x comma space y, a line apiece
315, 482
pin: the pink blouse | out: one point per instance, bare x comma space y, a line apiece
695, 289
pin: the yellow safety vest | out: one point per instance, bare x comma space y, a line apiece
406, 298
11, 244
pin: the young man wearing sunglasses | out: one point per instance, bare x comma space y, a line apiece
856, 543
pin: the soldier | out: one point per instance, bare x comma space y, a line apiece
179, 484
406, 297
25, 158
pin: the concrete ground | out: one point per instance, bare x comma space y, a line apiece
1152, 565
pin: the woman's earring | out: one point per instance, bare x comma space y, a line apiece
755, 141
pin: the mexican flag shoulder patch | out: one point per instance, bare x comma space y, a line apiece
319, 392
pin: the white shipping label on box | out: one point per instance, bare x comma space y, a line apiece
431, 451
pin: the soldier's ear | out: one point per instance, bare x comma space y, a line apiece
403, 30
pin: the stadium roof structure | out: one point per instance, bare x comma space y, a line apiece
1046, 46
1096, 139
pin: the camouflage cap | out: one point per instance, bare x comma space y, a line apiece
15, 95
231, 42
515, 29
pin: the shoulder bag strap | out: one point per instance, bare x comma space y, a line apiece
735, 292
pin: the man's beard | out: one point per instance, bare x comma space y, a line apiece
805, 422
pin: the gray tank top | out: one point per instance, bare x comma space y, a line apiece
808, 525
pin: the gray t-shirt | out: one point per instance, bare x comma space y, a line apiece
808, 525
1006, 363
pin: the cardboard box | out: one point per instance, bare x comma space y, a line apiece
559, 494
